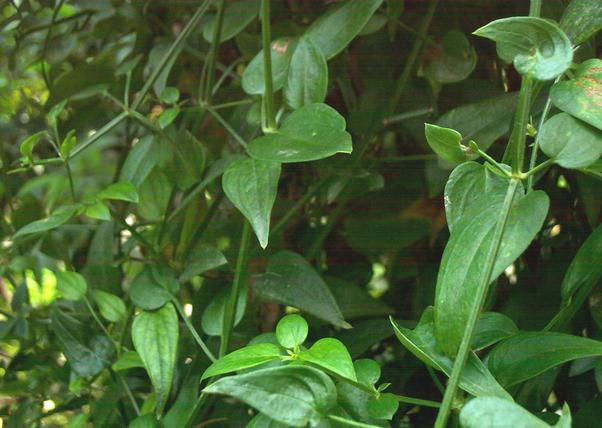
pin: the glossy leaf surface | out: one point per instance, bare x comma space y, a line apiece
291, 331
330, 354
71, 285
307, 79
244, 358
446, 143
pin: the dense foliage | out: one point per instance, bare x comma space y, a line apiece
270, 213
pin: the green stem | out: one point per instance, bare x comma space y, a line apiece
406, 116
484, 281
535, 8
436, 380
128, 391
545, 164
208, 91
266, 38
473, 146
417, 401
412, 57
70, 178
350, 423
192, 330
198, 233
100, 324
233, 104
239, 278
99, 134
227, 126
409, 158
515, 152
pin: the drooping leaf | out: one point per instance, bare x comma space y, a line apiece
529, 354
570, 142
307, 79
292, 281
291, 331
538, 47
71, 285
293, 395
237, 16
355, 302
244, 358
313, 132
330, 354
585, 270
451, 61
155, 337
58, 217
491, 328
581, 20
582, 95
251, 185
457, 283
333, 31
281, 53
446, 143
120, 191
110, 306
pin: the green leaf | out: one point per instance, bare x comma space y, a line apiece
168, 116
570, 142
475, 379
237, 16
111, 307
202, 259
367, 371
56, 111
27, 146
529, 354
291, 331
581, 20
98, 210
293, 395
469, 243
170, 95
330, 354
290, 280
383, 407
307, 80
155, 337
333, 31
144, 421
538, 47
140, 161
453, 60
128, 360
491, 328
355, 302
493, 412
262, 421
446, 143
70, 285
251, 185
58, 217
120, 191
281, 53
244, 358
313, 132
212, 320
68, 144
585, 270
582, 95
147, 292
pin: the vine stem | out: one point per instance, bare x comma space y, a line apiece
484, 281
516, 147
239, 278
266, 39
208, 91
192, 330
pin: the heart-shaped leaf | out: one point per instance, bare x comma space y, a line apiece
307, 79
313, 132
244, 358
291, 331
330, 354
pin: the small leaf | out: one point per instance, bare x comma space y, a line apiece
244, 358
538, 47
58, 217
307, 79
237, 16
291, 331
281, 53
29, 143
212, 320
367, 371
170, 95
330, 354
168, 116
120, 191
313, 132
202, 259
147, 292
111, 307
582, 19
155, 337
293, 395
570, 142
55, 111
453, 60
383, 407
251, 185
68, 144
70, 285
141, 160
582, 95
446, 143
128, 360
98, 210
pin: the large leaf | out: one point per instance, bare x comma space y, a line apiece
333, 31
585, 269
244, 358
451, 61
475, 378
155, 337
293, 395
290, 280
582, 19
71, 285
251, 185
330, 354
312, 132
529, 354
307, 79
253, 82
464, 260
570, 142
538, 47
237, 16
582, 95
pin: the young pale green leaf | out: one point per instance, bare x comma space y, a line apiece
68, 144
147, 292
453, 60
111, 307
526, 355
57, 108
98, 210
307, 79
58, 217
493, 412
27, 146
446, 143
570, 142
581, 20
253, 82
70, 285
582, 95
585, 270
475, 379
251, 185
128, 360
292, 281
237, 16
168, 116
155, 337
293, 395
383, 407
291, 331
491, 328
330, 354
464, 260
244, 358
333, 31
313, 132
120, 191
538, 47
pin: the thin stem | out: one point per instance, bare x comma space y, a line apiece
417, 401
70, 178
350, 423
192, 330
408, 158
545, 164
100, 324
99, 134
227, 126
232, 104
436, 380
210, 76
515, 151
239, 278
198, 233
267, 66
323, 233
492, 162
128, 391
406, 116
535, 8
484, 281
